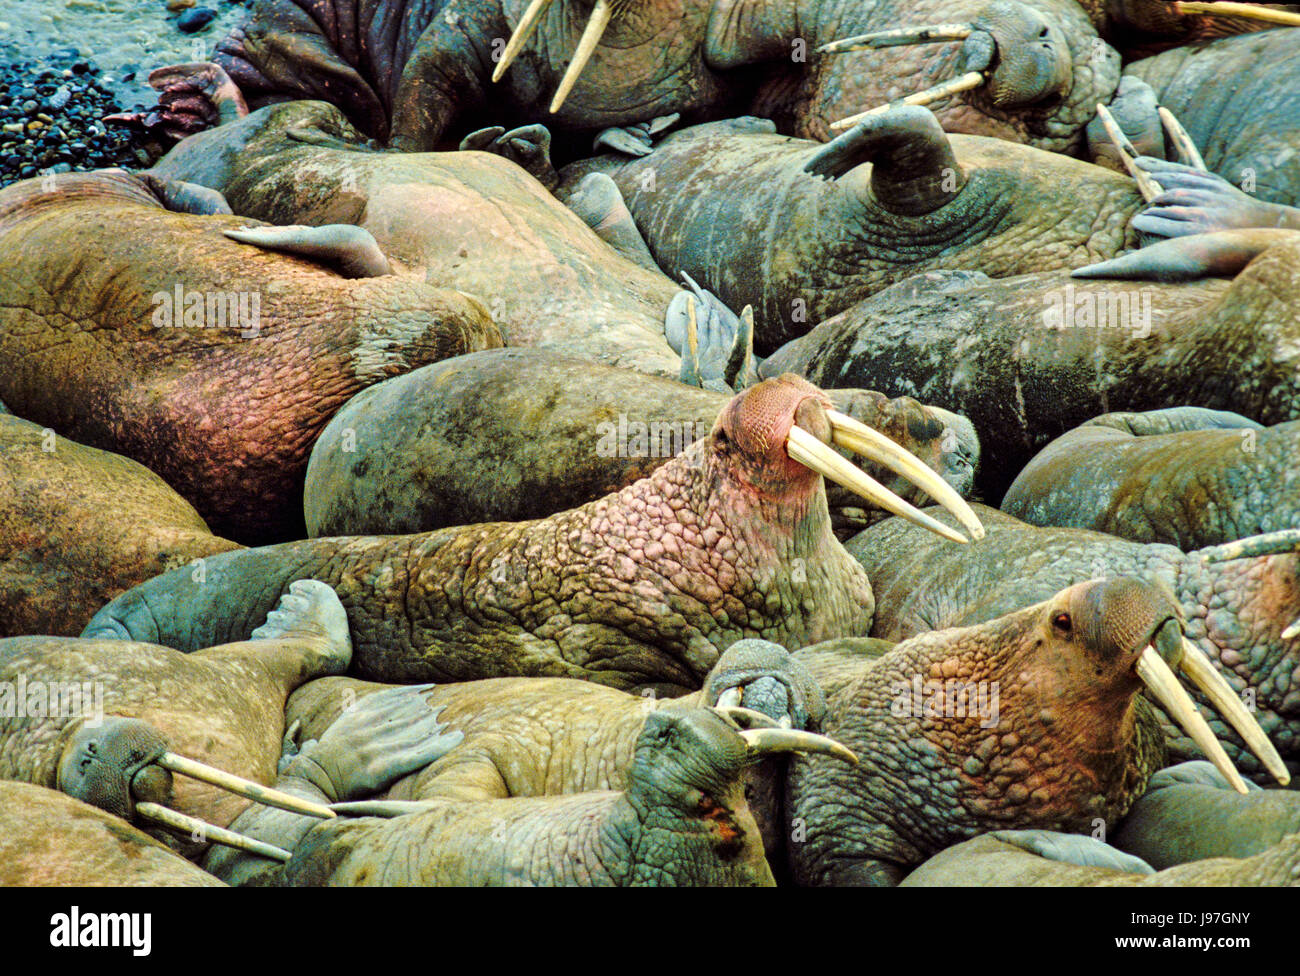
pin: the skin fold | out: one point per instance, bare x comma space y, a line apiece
467, 220
731, 204
79, 526
90, 359
515, 434
1184, 476
1029, 358
1236, 611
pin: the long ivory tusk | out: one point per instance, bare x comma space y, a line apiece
795, 740
600, 18
933, 34
1147, 185
1202, 673
1250, 11
218, 835
1160, 680
813, 454
752, 719
1277, 543
527, 24
971, 79
383, 808
243, 787
871, 444
1182, 141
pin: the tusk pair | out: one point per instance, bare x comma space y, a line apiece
971, 79
795, 740
813, 454
933, 34
1147, 184
591, 35
246, 788
1250, 11
1202, 672
218, 835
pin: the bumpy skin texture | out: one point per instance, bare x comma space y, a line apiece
681, 820
223, 706
1184, 476
990, 861
50, 839
514, 434
996, 351
1250, 128
80, 526
1235, 611
804, 99
1067, 741
642, 588
225, 417
730, 204
465, 220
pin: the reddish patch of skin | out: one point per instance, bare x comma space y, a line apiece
724, 823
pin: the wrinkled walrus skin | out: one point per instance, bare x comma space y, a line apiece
225, 415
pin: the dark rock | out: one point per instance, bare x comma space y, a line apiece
195, 19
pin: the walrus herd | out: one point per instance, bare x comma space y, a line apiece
665, 442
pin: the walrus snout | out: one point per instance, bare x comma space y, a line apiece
1033, 62
113, 766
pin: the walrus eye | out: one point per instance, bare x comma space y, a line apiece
1062, 622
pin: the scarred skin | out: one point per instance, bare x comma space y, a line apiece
995, 351
514, 434
1187, 477
79, 526
49, 839
466, 220
801, 249
641, 589
226, 418
1236, 611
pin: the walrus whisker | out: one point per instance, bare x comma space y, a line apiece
1173, 698
971, 79
211, 832
246, 788
932, 34
1202, 673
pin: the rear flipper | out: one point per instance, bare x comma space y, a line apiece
1194, 201
716, 345
1078, 849
634, 140
180, 196
192, 97
528, 147
1220, 254
598, 201
350, 250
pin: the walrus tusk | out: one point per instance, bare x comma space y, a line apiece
1293, 630
1265, 544
812, 453
795, 740
1147, 185
1250, 11
1172, 697
600, 18
218, 835
1202, 673
971, 79
746, 718
934, 34
730, 698
382, 808
246, 788
861, 439
527, 24
1181, 140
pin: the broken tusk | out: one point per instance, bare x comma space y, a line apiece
527, 24
933, 34
971, 79
1187, 150
1172, 697
795, 740
1147, 185
875, 446
243, 787
211, 832
600, 18
1201, 671
813, 454
1292, 631
1250, 11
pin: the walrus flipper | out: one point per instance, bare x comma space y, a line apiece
350, 250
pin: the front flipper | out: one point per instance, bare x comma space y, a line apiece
193, 96
350, 250
528, 147
1077, 849
180, 196
634, 140
599, 202
716, 345
1199, 202
1220, 254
